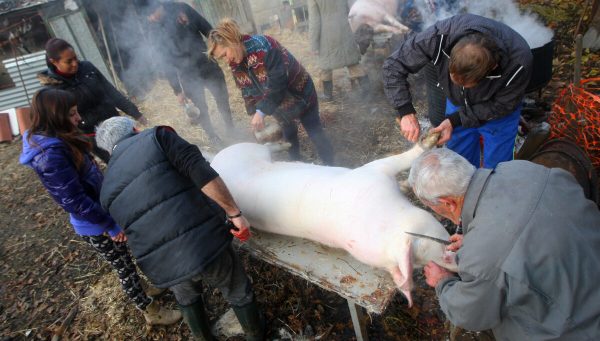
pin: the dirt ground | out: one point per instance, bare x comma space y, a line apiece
47, 271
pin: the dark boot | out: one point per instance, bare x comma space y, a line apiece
252, 321
195, 317
327, 91
365, 87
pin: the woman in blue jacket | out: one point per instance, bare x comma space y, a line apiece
59, 153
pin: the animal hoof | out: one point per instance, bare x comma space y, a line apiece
278, 146
429, 141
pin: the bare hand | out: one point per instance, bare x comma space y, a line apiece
435, 273
243, 228
445, 129
258, 122
182, 19
120, 238
409, 126
181, 99
142, 120
456, 240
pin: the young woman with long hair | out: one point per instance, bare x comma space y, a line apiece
59, 153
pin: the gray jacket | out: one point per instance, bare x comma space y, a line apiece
330, 34
530, 260
497, 95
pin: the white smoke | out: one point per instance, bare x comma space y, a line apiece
526, 24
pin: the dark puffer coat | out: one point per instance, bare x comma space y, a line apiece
76, 191
174, 231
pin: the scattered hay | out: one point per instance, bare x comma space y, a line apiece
107, 313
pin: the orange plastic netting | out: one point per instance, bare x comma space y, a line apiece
576, 115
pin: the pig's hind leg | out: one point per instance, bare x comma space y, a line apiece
395, 164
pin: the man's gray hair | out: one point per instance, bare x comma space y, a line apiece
438, 173
113, 130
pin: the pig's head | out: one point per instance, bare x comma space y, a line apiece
408, 251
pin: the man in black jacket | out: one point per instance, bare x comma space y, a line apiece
483, 67
173, 207
178, 30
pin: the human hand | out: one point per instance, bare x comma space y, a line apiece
445, 129
181, 98
258, 122
456, 240
142, 120
120, 238
242, 230
435, 273
409, 126
182, 18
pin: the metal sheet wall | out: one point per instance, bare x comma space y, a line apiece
29, 66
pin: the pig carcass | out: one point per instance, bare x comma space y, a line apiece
360, 210
378, 14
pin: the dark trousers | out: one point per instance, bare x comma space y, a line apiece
225, 273
311, 122
194, 84
118, 256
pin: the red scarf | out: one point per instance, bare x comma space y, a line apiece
62, 74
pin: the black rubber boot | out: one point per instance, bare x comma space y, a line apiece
195, 317
365, 87
252, 321
327, 91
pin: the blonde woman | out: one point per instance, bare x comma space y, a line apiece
273, 82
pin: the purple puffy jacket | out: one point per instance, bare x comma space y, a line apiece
77, 192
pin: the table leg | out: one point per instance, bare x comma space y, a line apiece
358, 320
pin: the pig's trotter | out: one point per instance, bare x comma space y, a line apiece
429, 140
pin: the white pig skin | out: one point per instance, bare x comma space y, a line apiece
360, 210
379, 14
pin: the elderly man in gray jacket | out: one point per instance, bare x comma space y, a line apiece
528, 265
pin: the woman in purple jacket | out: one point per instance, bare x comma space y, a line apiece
59, 154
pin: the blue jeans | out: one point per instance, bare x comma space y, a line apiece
498, 139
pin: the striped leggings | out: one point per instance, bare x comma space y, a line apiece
118, 256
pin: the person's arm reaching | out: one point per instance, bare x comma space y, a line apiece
187, 159
198, 22
118, 99
470, 302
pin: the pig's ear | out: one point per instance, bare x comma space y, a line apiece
403, 273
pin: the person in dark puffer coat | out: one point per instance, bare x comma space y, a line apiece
55, 149
179, 218
97, 98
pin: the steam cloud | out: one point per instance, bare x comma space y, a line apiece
526, 24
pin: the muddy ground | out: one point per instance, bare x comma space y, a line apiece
46, 271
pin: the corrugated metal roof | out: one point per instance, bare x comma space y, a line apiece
7, 6
29, 66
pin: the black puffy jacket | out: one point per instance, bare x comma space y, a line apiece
495, 96
173, 229
97, 99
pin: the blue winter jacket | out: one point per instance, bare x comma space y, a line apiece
77, 192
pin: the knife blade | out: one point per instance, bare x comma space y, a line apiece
441, 241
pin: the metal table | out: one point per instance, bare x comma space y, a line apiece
331, 269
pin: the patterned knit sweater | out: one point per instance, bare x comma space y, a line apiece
272, 80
